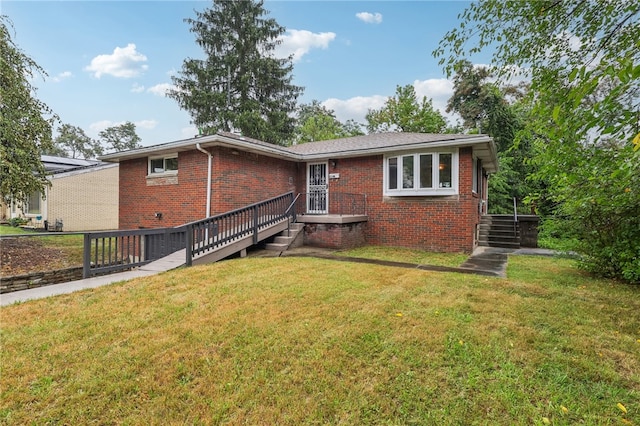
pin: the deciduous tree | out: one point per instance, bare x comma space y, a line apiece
583, 61
240, 84
567, 49
483, 107
76, 144
25, 122
405, 113
317, 123
120, 138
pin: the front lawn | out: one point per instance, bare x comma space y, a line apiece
312, 341
399, 254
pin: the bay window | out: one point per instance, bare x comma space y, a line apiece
421, 173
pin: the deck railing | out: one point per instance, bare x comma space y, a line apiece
333, 203
208, 234
113, 251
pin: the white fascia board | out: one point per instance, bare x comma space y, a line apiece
400, 148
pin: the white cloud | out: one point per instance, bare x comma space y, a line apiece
145, 124
370, 18
300, 42
99, 126
124, 62
62, 76
137, 88
437, 89
161, 89
354, 108
188, 132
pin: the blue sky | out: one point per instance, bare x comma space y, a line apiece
111, 61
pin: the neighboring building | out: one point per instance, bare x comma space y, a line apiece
83, 195
414, 190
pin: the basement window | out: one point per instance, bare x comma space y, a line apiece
421, 173
163, 165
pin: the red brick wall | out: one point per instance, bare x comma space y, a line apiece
348, 235
245, 178
237, 180
431, 223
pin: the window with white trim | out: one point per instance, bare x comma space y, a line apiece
421, 173
33, 206
477, 175
163, 165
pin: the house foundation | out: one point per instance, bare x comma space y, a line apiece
336, 232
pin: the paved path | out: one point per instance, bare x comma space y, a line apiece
165, 264
487, 261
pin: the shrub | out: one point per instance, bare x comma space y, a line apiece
18, 221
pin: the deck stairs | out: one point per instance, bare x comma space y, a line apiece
499, 231
287, 239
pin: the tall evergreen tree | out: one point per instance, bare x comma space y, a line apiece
240, 84
25, 122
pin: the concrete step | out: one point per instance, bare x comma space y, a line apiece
287, 238
276, 246
499, 244
499, 232
281, 239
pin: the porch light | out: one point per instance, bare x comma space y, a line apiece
334, 163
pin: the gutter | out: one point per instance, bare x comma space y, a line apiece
199, 148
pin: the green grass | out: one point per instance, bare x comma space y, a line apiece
13, 230
311, 341
398, 254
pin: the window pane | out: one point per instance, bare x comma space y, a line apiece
34, 203
445, 170
426, 171
157, 165
171, 163
393, 173
407, 172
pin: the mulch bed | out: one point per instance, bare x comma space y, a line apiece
26, 255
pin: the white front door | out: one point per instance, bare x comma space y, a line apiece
317, 189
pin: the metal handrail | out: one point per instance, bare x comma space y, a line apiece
515, 216
336, 203
286, 212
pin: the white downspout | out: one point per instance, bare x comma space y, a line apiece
199, 148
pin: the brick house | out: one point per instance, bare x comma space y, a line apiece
412, 190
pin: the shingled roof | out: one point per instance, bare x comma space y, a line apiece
372, 144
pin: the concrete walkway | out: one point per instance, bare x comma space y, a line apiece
487, 261
172, 261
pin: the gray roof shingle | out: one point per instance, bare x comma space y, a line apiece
374, 141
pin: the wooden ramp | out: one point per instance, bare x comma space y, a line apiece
241, 243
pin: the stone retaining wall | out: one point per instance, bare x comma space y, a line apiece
39, 279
